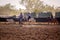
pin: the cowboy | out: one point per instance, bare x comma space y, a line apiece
20, 18
29, 16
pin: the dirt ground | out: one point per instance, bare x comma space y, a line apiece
29, 32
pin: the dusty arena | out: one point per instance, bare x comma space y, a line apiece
10, 31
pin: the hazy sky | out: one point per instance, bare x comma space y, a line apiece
12, 2
15, 3
56, 3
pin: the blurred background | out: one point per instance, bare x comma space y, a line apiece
15, 7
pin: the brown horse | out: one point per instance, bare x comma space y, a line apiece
54, 21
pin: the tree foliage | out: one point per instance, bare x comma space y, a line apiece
36, 6
32, 5
7, 10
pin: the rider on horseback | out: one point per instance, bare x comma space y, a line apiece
20, 18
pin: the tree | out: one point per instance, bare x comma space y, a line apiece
32, 5
49, 8
8, 10
57, 9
